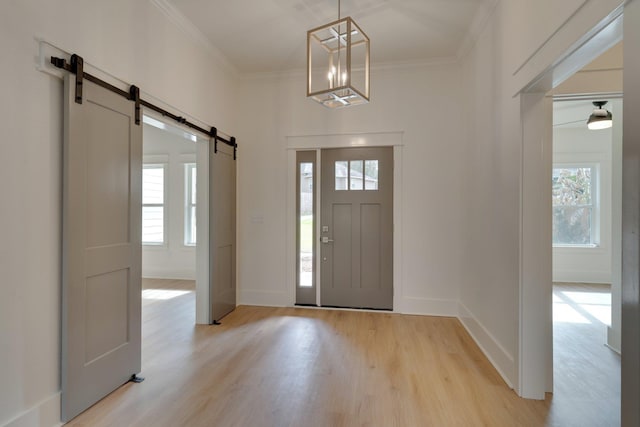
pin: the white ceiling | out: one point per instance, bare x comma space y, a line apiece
270, 35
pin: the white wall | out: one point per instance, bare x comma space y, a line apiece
172, 260
520, 41
131, 40
614, 332
489, 293
581, 145
422, 101
630, 222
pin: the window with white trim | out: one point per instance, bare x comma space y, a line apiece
190, 204
153, 204
575, 205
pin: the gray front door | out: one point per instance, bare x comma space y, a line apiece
356, 228
222, 229
101, 285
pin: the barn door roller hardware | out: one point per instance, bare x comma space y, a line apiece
76, 66
134, 93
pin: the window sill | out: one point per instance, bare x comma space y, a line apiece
582, 249
154, 246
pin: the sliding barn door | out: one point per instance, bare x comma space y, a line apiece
101, 337
222, 229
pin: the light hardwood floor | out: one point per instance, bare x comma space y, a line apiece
305, 367
586, 371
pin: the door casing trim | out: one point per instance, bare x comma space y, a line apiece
317, 142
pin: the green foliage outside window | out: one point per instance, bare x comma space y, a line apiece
572, 206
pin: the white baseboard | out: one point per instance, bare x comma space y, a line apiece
407, 305
44, 414
173, 275
497, 355
614, 340
427, 307
264, 298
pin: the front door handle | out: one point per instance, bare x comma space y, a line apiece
325, 239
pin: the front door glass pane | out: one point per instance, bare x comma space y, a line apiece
371, 175
356, 178
342, 175
306, 225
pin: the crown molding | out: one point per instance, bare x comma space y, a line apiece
188, 28
478, 25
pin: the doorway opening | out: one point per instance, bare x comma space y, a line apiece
535, 348
169, 237
584, 166
587, 242
352, 235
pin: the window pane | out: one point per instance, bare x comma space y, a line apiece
153, 185
191, 230
152, 224
193, 184
572, 201
371, 175
342, 175
306, 189
571, 186
190, 205
306, 225
356, 175
572, 225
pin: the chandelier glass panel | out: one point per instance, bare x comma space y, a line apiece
338, 64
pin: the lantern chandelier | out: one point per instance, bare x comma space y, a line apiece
338, 64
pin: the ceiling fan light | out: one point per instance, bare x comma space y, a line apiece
600, 118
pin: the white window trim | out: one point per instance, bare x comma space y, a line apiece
595, 204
